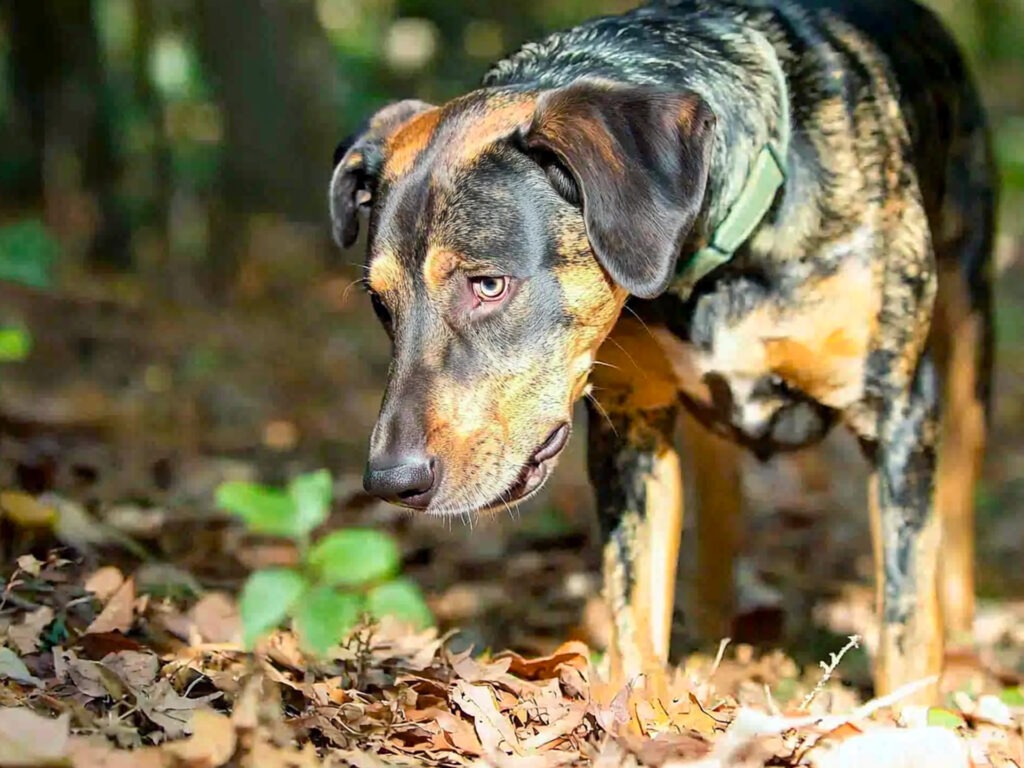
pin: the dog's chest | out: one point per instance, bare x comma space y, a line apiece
771, 368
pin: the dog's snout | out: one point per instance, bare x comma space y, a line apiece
409, 481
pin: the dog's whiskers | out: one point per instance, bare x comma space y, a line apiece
639, 320
636, 365
602, 411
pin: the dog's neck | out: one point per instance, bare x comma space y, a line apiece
747, 173
746, 89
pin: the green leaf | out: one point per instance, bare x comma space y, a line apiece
265, 510
946, 718
325, 615
355, 557
401, 599
15, 344
311, 494
267, 598
1012, 697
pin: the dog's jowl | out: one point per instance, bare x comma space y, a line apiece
774, 215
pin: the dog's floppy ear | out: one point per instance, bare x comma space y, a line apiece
640, 157
357, 161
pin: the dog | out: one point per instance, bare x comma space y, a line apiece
775, 215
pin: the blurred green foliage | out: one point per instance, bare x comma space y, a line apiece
15, 344
27, 253
183, 123
341, 576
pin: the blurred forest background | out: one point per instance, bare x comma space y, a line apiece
172, 311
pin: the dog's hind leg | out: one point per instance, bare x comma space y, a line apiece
962, 341
718, 481
958, 338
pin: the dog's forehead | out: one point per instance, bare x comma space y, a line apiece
457, 133
423, 161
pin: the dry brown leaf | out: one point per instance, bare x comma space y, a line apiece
97, 753
266, 755
97, 646
28, 739
90, 677
211, 744
136, 670
574, 654
104, 583
283, 648
667, 747
259, 702
494, 730
452, 732
329, 691
560, 728
843, 732
473, 671
216, 618
168, 709
358, 759
115, 675
119, 612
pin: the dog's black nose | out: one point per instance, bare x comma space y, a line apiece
408, 481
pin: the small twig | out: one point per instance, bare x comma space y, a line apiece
829, 669
722, 645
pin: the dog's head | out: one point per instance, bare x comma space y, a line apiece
506, 230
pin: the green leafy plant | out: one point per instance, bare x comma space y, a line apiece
15, 344
28, 251
341, 577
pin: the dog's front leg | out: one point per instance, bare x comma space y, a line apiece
635, 471
908, 535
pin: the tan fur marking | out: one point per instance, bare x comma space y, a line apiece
405, 145
632, 651
956, 340
592, 299
664, 527
484, 129
385, 273
438, 266
635, 367
818, 346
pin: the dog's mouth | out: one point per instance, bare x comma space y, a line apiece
533, 474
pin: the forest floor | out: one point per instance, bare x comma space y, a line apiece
110, 659
120, 638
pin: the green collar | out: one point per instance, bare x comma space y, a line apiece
754, 201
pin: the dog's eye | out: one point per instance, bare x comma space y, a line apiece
490, 288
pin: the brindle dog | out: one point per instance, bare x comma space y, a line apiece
775, 214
